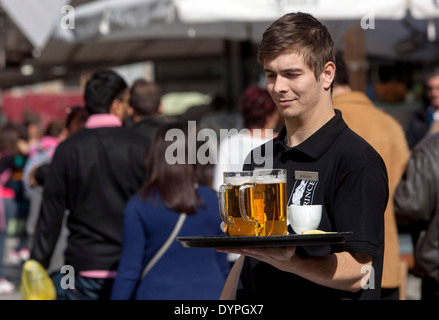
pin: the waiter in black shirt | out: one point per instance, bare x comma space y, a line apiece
336, 167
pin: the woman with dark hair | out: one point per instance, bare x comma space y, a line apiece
173, 187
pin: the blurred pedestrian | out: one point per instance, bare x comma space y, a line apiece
150, 216
146, 107
32, 130
425, 119
92, 174
35, 170
75, 121
76, 118
9, 136
417, 208
13, 161
43, 150
387, 137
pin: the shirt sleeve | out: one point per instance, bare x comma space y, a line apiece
359, 205
414, 198
52, 211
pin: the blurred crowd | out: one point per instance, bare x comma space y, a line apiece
29, 185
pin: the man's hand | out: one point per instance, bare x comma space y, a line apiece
341, 270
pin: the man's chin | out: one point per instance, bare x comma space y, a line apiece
289, 114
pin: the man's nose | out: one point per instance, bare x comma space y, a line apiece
280, 85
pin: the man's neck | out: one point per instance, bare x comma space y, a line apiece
136, 118
300, 129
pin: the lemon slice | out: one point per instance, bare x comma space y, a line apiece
315, 232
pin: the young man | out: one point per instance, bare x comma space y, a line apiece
93, 174
342, 172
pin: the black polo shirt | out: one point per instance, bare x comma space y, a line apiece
337, 168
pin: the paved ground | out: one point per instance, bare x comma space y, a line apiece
413, 291
12, 273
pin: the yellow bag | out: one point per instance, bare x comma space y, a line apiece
35, 282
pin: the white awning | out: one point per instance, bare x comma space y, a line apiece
421, 9
35, 19
199, 11
126, 31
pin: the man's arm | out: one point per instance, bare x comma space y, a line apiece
229, 290
342, 270
415, 195
51, 214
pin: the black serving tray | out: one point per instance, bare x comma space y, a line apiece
264, 241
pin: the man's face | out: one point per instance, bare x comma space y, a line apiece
124, 105
433, 91
292, 85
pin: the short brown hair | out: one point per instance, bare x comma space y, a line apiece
145, 97
301, 33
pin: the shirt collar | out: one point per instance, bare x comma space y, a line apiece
102, 120
319, 142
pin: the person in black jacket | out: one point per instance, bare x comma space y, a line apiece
92, 174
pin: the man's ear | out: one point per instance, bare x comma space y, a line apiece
130, 111
328, 74
115, 107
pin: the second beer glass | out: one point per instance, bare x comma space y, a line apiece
267, 197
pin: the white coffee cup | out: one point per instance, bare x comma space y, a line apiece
304, 218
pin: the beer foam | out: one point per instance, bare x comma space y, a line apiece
270, 180
237, 181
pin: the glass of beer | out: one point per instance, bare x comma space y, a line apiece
267, 197
235, 225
